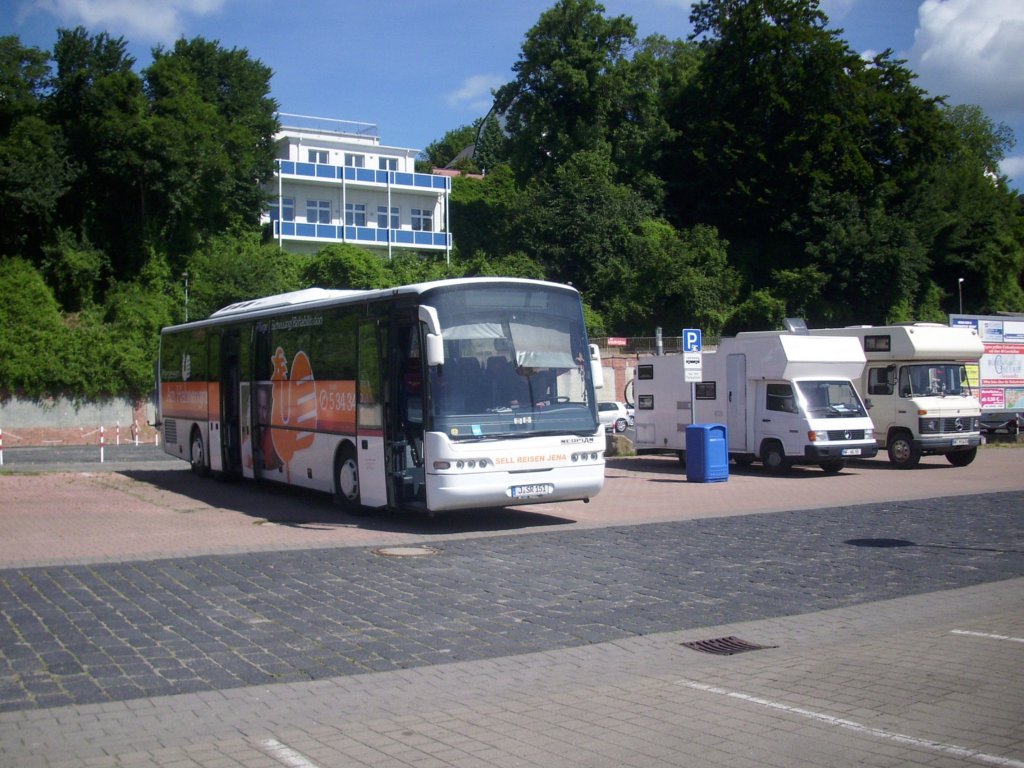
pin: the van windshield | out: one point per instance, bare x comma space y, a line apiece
934, 379
830, 399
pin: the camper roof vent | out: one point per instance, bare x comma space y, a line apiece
796, 325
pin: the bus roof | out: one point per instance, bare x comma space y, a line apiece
320, 297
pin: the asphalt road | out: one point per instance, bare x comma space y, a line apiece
204, 621
81, 634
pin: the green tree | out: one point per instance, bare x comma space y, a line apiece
345, 266
34, 340
440, 153
569, 79
99, 105
237, 266
213, 122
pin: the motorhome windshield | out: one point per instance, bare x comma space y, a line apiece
830, 399
934, 379
515, 363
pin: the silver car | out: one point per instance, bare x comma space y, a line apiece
613, 415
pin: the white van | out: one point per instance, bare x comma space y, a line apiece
916, 389
785, 399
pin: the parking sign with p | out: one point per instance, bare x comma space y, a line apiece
692, 341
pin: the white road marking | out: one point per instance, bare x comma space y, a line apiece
851, 725
285, 754
989, 635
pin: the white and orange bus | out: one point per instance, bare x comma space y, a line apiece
473, 392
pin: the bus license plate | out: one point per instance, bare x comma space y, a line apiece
538, 489
851, 451
960, 441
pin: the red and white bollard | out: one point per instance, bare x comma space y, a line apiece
135, 432
117, 432
101, 443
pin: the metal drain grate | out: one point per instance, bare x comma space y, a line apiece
725, 646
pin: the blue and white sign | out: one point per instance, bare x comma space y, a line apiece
692, 340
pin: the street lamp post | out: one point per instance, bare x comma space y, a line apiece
186, 294
960, 288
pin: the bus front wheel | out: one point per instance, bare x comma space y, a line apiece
346, 481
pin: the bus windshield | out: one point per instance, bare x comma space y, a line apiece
516, 363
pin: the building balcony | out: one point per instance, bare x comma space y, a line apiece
365, 177
369, 236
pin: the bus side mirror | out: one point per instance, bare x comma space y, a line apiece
596, 371
435, 349
868, 404
434, 341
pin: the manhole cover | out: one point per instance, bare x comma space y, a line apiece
725, 646
406, 551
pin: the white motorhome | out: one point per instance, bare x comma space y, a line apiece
784, 398
916, 388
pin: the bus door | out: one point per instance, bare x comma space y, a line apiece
370, 416
405, 414
230, 405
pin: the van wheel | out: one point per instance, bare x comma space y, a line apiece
774, 458
962, 458
902, 453
621, 425
832, 466
346, 481
197, 454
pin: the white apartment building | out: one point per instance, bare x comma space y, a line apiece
336, 183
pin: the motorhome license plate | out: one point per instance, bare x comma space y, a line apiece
960, 441
538, 489
851, 451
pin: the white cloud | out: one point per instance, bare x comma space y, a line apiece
150, 20
475, 92
1013, 167
969, 50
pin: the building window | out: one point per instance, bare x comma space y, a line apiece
382, 217
318, 156
387, 163
355, 161
422, 220
287, 212
355, 214
318, 211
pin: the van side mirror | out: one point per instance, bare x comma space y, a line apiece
868, 404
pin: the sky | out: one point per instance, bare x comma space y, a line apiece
420, 68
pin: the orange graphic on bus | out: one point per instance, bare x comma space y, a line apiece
294, 406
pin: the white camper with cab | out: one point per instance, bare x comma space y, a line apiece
785, 399
916, 389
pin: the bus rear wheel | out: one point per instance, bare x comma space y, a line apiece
197, 454
346, 481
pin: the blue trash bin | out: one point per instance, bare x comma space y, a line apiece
707, 453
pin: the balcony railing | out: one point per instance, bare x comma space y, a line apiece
369, 235
422, 181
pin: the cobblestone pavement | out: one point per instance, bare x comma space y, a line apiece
896, 631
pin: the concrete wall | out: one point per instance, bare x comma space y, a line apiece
59, 421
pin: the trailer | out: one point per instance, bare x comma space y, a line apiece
785, 399
917, 389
